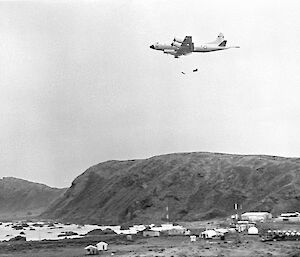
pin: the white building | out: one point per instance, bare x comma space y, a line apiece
252, 231
208, 234
289, 216
166, 227
102, 246
193, 238
150, 233
176, 231
91, 250
256, 216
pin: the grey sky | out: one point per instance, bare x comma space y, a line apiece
80, 85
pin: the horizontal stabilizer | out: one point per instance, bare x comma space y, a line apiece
223, 43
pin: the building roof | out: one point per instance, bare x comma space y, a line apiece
221, 230
209, 233
90, 247
289, 214
102, 243
255, 213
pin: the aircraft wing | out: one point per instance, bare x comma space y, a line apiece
186, 47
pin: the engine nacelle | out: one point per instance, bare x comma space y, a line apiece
178, 40
169, 51
176, 44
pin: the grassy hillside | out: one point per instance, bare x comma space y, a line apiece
193, 185
21, 198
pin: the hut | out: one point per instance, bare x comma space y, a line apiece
91, 250
176, 232
241, 227
187, 232
129, 237
150, 233
208, 234
193, 238
102, 246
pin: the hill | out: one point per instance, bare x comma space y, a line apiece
193, 185
22, 199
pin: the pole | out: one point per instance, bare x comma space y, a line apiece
167, 216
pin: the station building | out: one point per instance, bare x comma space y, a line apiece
256, 216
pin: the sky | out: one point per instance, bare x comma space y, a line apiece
80, 85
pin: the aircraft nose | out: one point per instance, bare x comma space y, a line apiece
152, 46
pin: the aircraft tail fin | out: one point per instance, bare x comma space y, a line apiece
218, 40
223, 43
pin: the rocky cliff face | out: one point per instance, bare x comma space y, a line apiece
193, 186
22, 199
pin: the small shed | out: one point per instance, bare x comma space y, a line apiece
91, 250
187, 232
151, 233
208, 234
252, 231
129, 237
176, 232
102, 246
241, 227
193, 238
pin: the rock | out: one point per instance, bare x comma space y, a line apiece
107, 231
18, 238
68, 233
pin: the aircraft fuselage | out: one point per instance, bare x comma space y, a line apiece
209, 48
199, 49
183, 47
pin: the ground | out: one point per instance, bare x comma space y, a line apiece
234, 245
175, 246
